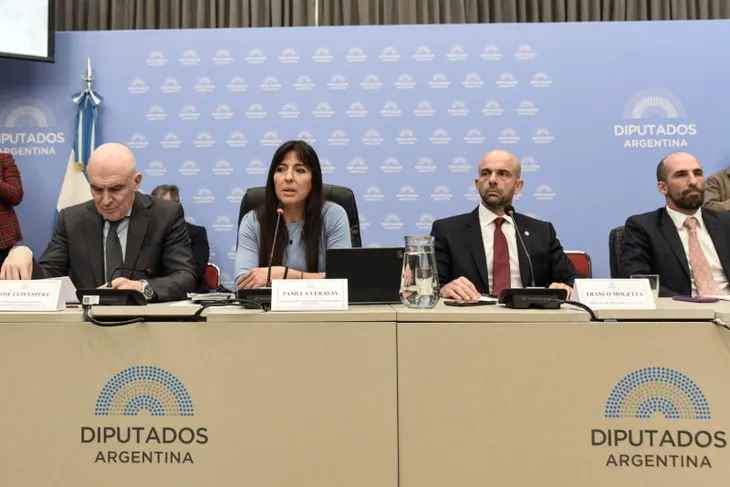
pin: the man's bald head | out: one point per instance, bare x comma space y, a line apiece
672, 161
502, 156
498, 180
681, 179
114, 180
112, 158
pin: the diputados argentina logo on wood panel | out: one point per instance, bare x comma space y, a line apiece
667, 395
145, 393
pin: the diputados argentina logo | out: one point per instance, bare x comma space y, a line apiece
27, 128
144, 392
658, 119
656, 395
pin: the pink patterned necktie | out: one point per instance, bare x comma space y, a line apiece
701, 272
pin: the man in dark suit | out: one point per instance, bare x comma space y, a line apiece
686, 245
119, 228
478, 252
198, 235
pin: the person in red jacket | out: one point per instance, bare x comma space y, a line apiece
11, 194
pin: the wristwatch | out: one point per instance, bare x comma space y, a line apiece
147, 290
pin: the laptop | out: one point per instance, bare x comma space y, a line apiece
373, 274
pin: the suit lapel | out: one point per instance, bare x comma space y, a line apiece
524, 263
476, 245
138, 222
94, 241
719, 238
671, 235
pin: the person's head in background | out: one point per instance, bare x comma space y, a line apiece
681, 180
294, 182
167, 192
113, 179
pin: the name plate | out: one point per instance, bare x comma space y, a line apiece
42, 295
614, 293
309, 295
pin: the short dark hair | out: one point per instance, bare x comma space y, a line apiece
661, 171
171, 189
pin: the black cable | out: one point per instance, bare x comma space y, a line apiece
196, 317
582, 306
222, 302
96, 322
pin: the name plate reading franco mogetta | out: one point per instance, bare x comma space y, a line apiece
614, 293
309, 295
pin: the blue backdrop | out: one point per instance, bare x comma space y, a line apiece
400, 114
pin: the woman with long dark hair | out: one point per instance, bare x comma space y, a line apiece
308, 227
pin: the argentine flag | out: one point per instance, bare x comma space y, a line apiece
75, 188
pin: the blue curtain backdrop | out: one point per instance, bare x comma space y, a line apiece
400, 114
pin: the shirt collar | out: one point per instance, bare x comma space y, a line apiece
679, 218
487, 216
129, 213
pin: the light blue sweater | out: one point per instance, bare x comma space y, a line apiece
335, 235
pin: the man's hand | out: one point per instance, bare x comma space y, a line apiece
255, 278
18, 265
558, 285
124, 283
460, 288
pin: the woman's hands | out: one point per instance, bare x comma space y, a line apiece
255, 278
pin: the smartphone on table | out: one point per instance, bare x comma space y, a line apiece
468, 302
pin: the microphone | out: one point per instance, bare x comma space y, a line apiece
509, 210
147, 272
261, 298
113, 297
279, 212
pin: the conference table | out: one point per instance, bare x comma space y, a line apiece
377, 395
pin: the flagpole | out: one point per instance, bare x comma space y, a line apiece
75, 188
89, 75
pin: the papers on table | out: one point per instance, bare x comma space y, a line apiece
210, 296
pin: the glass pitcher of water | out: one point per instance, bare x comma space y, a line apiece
419, 280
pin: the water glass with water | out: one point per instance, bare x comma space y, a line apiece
653, 282
419, 279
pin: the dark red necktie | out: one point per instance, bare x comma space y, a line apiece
500, 269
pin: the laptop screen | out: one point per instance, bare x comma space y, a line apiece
373, 273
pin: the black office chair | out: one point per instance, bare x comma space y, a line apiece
341, 195
615, 241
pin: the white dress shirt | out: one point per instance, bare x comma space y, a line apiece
708, 247
487, 224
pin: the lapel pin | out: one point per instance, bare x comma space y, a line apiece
527, 234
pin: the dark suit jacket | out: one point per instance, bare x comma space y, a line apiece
460, 252
652, 246
201, 253
157, 239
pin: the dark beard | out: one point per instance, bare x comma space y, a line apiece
688, 204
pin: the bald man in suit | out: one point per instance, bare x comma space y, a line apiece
479, 252
119, 228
